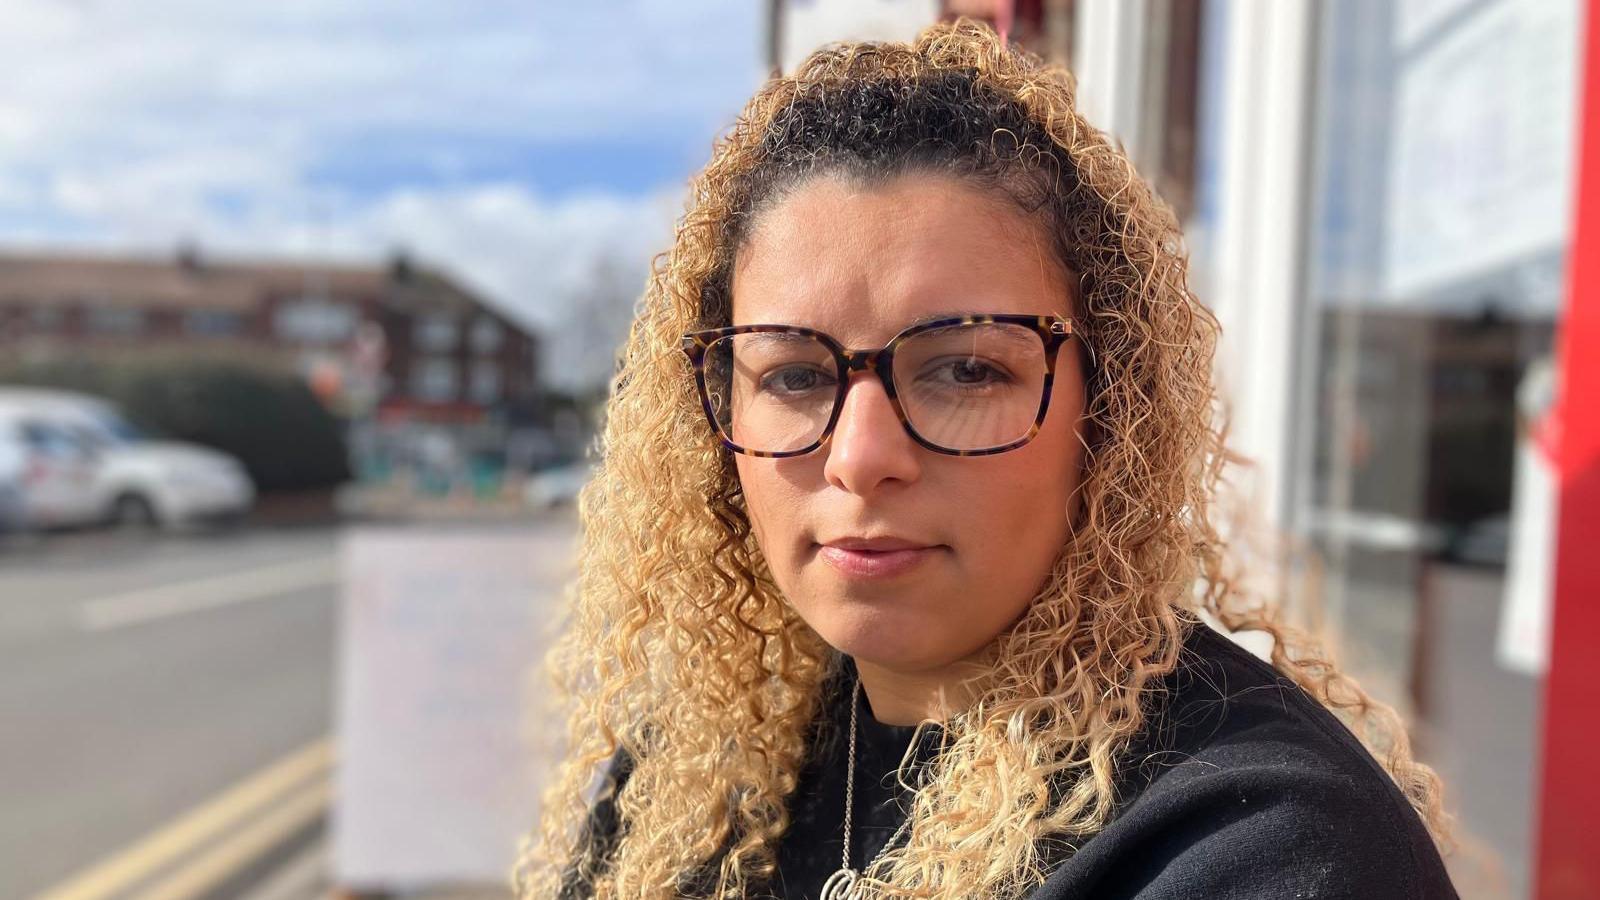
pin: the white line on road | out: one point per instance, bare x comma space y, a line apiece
149, 604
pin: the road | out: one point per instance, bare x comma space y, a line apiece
122, 716
167, 706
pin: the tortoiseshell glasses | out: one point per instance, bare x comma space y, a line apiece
964, 385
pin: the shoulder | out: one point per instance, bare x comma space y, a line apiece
1223, 708
601, 827
1245, 786
602, 824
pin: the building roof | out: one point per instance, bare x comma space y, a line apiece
195, 282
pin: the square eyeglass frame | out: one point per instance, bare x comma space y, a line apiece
1053, 331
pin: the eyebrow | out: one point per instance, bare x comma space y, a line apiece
947, 314
941, 314
779, 337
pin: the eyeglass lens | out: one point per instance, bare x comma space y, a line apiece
963, 387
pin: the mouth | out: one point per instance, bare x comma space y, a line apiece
879, 558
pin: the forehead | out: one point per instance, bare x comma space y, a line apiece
863, 262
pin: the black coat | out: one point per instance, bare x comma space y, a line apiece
1242, 786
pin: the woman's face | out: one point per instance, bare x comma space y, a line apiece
861, 264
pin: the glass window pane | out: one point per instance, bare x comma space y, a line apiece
1437, 244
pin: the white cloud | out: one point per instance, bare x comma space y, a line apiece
135, 124
526, 69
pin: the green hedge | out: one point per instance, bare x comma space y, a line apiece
267, 418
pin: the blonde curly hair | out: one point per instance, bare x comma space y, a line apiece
680, 649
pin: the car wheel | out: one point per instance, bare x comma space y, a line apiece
134, 512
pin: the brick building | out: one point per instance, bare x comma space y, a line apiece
402, 338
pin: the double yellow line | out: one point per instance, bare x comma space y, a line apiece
237, 827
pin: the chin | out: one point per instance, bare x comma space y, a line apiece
887, 623
893, 647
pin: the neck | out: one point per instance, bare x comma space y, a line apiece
906, 698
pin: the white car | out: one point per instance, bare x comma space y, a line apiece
52, 473
13, 465
84, 463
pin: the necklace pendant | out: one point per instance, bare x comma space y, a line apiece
841, 885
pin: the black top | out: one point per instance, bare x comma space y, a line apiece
1242, 786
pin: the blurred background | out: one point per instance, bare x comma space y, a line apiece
307, 312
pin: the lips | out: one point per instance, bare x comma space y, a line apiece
876, 544
878, 557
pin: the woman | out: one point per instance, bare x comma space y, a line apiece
922, 619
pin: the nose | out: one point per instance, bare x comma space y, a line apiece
869, 446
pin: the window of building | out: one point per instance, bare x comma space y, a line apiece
487, 335
434, 379
314, 320
436, 332
1437, 241
115, 320
47, 318
212, 323
485, 386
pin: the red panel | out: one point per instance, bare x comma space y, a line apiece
1569, 808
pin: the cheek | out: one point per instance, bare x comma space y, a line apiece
770, 502
1020, 512
1017, 518
750, 488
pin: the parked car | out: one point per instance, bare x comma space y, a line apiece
13, 465
56, 472
86, 463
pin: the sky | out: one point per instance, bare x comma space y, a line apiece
515, 145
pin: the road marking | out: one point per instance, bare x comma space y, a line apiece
149, 604
205, 874
198, 826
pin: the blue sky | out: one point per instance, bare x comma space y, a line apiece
377, 162
515, 144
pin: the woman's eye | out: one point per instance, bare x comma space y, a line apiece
792, 380
968, 371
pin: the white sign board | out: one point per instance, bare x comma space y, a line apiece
1418, 17
1484, 146
808, 24
436, 778
1483, 127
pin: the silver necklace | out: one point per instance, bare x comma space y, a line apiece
842, 885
